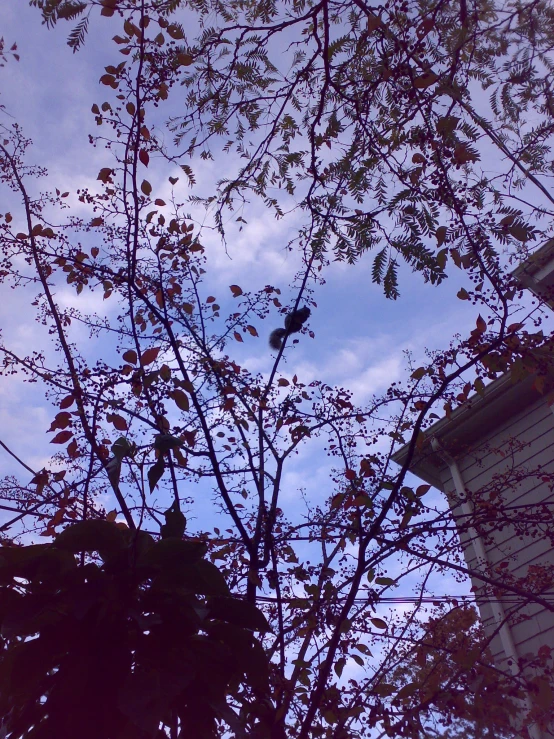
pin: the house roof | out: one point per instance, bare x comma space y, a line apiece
469, 423
537, 273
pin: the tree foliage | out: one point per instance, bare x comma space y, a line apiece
365, 120
117, 645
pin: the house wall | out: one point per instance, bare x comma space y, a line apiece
512, 461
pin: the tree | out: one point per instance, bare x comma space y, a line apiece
164, 415
372, 121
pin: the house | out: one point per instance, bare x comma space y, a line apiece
492, 458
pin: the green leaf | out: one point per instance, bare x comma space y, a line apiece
519, 232
479, 386
440, 233
418, 373
174, 554
379, 623
407, 690
175, 522
113, 468
90, 536
155, 472
166, 442
384, 581
36, 561
122, 447
205, 579
239, 612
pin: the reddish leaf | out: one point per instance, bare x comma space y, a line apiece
149, 355
62, 437
175, 31
61, 421
373, 22
119, 422
67, 402
130, 356
181, 399
146, 187
237, 336
185, 60
144, 158
481, 325
108, 79
104, 174
425, 80
236, 290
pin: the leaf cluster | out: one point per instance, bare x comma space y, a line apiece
125, 639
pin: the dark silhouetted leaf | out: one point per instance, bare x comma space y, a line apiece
90, 536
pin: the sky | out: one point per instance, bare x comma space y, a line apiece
361, 338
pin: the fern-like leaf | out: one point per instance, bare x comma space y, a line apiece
77, 36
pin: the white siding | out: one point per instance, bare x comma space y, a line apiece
523, 446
